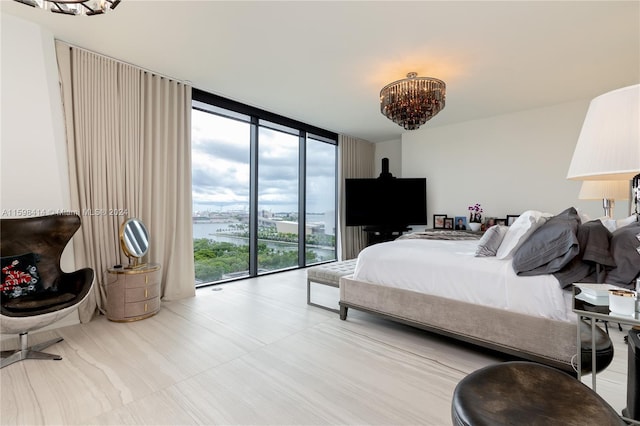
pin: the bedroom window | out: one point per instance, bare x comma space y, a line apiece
260, 182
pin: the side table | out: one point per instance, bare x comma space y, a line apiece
133, 294
595, 312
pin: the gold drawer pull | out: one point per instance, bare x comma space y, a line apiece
146, 279
146, 293
145, 307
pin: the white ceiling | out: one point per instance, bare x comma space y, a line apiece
324, 63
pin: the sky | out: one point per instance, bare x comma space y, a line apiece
220, 168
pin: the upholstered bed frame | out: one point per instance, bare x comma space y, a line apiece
537, 339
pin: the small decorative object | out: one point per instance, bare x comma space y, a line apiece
622, 302
448, 223
438, 221
460, 223
511, 218
475, 213
474, 226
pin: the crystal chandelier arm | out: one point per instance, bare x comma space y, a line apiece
74, 7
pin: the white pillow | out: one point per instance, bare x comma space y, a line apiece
612, 224
620, 223
608, 223
520, 230
491, 240
584, 218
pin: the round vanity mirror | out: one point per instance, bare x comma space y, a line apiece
134, 240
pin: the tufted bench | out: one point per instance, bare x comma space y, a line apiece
328, 274
527, 393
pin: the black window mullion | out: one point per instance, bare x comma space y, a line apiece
253, 199
302, 203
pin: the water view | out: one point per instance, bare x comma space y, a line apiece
221, 247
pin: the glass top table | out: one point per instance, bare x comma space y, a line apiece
596, 309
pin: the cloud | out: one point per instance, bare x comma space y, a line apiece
221, 169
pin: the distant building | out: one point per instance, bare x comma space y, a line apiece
288, 227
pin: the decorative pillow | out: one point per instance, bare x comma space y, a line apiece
550, 247
20, 276
519, 231
594, 242
491, 240
625, 249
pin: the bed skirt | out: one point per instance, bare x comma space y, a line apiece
543, 340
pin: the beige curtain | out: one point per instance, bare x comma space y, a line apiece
356, 160
129, 153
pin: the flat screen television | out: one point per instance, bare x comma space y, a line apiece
386, 203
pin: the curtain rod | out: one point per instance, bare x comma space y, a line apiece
185, 82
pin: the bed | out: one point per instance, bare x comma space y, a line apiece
442, 286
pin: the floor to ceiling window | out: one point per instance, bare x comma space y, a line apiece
260, 182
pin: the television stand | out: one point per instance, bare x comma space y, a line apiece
376, 234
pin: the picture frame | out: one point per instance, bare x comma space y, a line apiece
460, 223
438, 221
501, 221
511, 218
489, 222
448, 223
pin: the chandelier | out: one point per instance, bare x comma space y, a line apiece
74, 7
412, 101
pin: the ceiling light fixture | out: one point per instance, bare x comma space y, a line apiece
74, 7
412, 101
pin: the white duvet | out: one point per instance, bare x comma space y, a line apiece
450, 269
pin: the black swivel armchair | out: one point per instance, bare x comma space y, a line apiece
35, 292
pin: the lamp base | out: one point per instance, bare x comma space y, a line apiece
607, 205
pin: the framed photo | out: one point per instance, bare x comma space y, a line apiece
489, 222
448, 223
460, 223
511, 218
501, 221
438, 221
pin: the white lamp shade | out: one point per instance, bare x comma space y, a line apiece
601, 189
608, 147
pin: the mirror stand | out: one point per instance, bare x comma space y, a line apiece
135, 263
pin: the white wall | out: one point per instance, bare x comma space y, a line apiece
33, 159
509, 163
34, 164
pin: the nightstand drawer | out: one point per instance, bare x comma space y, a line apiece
142, 293
141, 280
137, 309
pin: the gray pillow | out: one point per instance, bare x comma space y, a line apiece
625, 249
550, 247
593, 239
491, 240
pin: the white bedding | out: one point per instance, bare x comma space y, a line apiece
450, 269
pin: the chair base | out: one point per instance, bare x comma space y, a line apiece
29, 352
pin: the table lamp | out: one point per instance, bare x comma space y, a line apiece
606, 190
608, 147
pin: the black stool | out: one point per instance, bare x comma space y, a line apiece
604, 348
517, 393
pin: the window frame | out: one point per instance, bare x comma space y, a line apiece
257, 118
